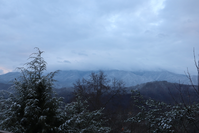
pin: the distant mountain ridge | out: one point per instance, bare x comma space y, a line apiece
166, 91
130, 78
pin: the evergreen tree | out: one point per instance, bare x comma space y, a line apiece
35, 109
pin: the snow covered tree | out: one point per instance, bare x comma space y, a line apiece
152, 115
5, 102
156, 117
34, 109
79, 120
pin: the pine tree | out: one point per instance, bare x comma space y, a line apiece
35, 109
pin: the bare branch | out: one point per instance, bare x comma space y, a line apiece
197, 66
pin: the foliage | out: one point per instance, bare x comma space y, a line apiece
34, 107
80, 120
5, 102
162, 117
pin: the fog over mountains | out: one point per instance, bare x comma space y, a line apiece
130, 78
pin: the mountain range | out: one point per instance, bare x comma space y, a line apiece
130, 78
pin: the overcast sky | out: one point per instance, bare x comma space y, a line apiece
100, 34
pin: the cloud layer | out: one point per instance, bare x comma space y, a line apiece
111, 34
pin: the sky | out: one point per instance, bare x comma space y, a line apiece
100, 34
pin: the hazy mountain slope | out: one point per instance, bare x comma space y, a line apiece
67, 78
9, 77
130, 78
4, 86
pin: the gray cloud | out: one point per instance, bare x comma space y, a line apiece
82, 54
112, 34
66, 61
